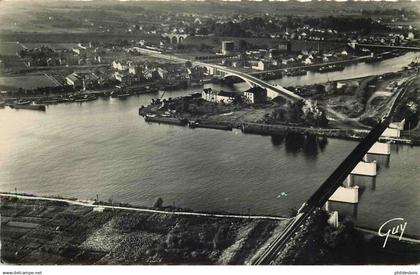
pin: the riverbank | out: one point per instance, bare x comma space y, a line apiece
271, 129
55, 232
67, 231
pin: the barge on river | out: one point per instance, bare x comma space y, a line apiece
35, 107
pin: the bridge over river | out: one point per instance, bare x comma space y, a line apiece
333, 182
272, 90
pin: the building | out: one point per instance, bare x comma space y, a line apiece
410, 36
74, 80
76, 50
120, 65
285, 46
135, 69
274, 53
256, 95
163, 73
225, 97
218, 96
307, 60
261, 65
123, 78
228, 47
82, 80
209, 95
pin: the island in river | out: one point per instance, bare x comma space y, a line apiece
342, 109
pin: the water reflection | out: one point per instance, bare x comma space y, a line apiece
277, 140
363, 182
295, 143
381, 160
348, 211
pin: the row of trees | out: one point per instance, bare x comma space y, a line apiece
262, 27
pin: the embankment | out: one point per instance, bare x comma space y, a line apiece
273, 129
261, 129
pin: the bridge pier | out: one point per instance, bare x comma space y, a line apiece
365, 169
346, 194
380, 148
397, 125
349, 181
391, 132
272, 94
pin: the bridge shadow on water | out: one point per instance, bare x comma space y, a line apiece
308, 145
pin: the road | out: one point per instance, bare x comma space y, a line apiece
278, 89
139, 209
243, 75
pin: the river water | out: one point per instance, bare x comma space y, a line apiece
104, 148
351, 71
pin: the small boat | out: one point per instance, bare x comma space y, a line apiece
22, 102
123, 95
50, 101
85, 98
119, 94
35, 107
66, 100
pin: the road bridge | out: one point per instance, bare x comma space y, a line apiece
272, 90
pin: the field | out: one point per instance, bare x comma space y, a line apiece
74, 21
55, 46
9, 48
26, 82
41, 232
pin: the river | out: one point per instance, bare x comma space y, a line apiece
104, 148
351, 71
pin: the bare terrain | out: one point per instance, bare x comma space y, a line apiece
46, 232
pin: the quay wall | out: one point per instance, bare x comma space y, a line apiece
283, 129
269, 129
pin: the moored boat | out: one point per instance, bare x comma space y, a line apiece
35, 107
119, 94
22, 102
85, 98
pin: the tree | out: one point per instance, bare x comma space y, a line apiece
243, 45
